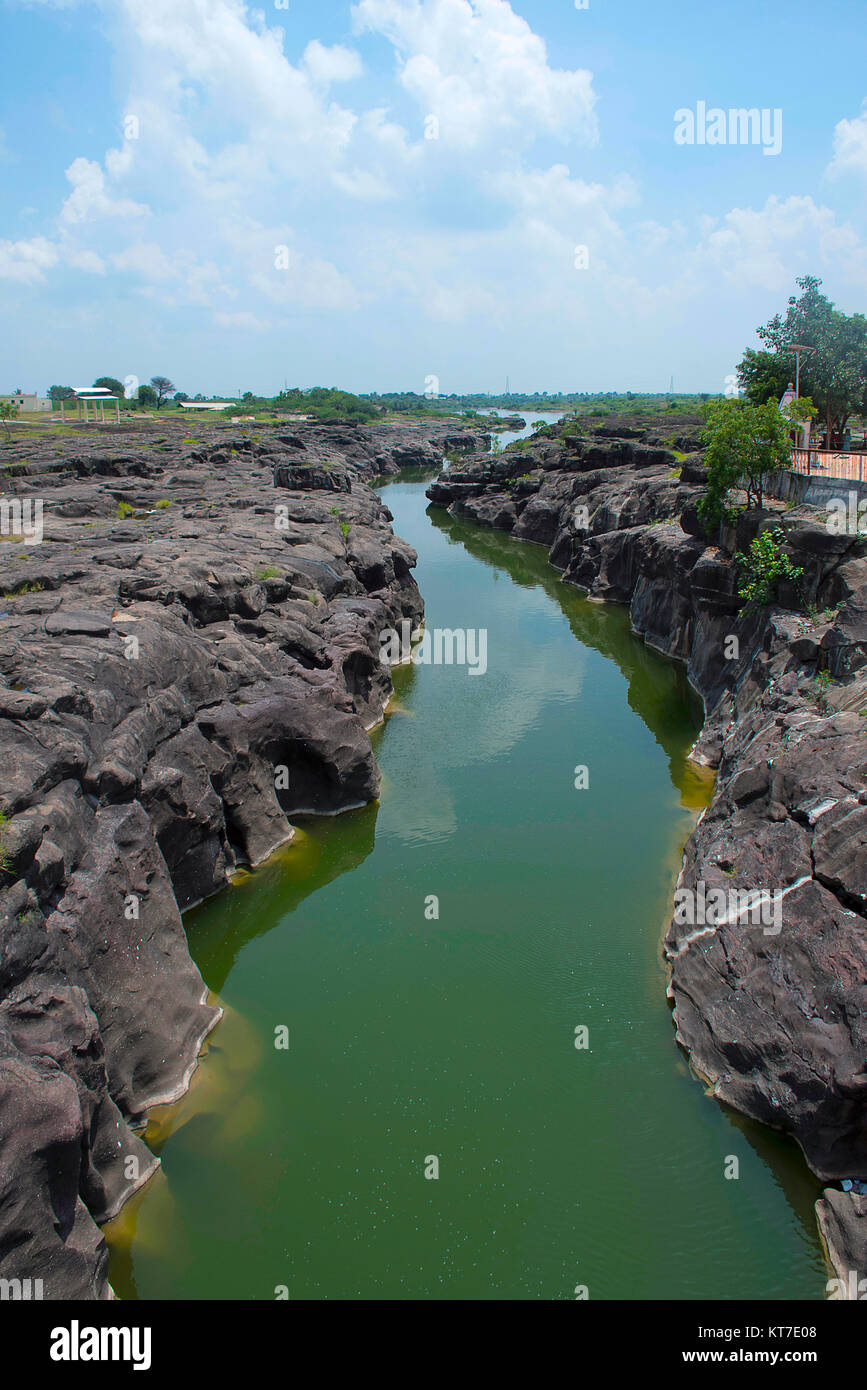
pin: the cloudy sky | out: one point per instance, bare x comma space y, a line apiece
365, 195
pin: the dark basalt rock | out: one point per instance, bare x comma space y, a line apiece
156, 671
66, 1155
301, 477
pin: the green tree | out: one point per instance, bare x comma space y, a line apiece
762, 376
744, 441
147, 397
111, 384
60, 393
834, 374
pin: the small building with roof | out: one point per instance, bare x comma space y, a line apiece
95, 396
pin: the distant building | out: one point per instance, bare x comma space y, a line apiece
29, 401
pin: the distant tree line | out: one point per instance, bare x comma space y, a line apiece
583, 402
146, 397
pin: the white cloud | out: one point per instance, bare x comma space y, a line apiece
766, 247
308, 283
327, 65
89, 198
362, 184
481, 70
147, 259
27, 261
86, 260
850, 146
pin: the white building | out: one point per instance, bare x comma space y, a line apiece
28, 401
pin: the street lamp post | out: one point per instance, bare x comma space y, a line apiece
797, 349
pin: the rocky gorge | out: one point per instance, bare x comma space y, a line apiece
189, 655
774, 1021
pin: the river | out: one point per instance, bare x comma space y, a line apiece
415, 1037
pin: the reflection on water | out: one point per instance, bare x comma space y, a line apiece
604, 628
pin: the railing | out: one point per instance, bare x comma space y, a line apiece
827, 463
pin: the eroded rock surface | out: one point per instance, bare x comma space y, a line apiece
188, 657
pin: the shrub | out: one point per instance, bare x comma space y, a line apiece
764, 567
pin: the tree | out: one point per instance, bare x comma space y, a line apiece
111, 384
763, 377
60, 393
161, 386
744, 442
147, 396
834, 374
8, 411
181, 396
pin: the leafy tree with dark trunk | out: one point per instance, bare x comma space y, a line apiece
744, 441
147, 396
60, 393
833, 375
163, 387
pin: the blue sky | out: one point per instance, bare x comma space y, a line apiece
154, 157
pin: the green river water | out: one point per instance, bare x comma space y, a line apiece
454, 1038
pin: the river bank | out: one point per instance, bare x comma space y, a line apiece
189, 657
448, 1029
139, 784
774, 1022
